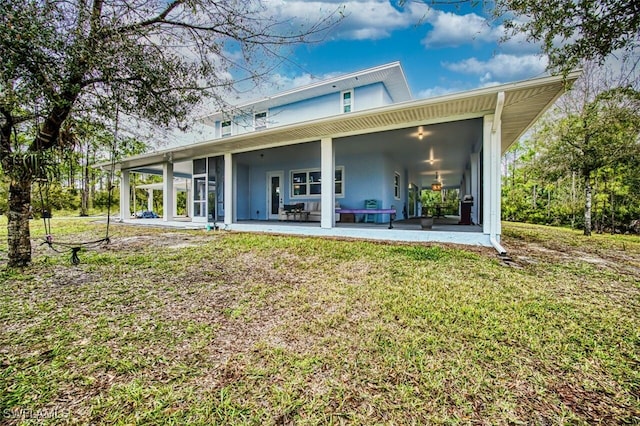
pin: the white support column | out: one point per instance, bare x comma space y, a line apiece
150, 199
486, 174
492, 178
475, 179
174, 208
228, 188
328, 188
124, 195
167, 192
188, 196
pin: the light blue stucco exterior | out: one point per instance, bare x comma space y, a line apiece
365, 176
364, 97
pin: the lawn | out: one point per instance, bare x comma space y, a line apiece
196, 327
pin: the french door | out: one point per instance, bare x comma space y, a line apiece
275, 193
208, 194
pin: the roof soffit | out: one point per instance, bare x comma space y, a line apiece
524, 103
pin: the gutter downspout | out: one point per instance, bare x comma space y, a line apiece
497, 122
496, 245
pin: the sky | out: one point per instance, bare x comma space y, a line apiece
442, 49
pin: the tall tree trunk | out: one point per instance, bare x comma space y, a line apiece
573, 199
548, 205
84, 205
587, 205
613, 215
92, 180
19, 237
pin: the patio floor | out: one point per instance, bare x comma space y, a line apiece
445, 229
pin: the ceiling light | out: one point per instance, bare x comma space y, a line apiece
436, 185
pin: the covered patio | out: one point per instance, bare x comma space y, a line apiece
445, 230
456, 140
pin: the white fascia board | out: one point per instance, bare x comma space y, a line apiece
210, 145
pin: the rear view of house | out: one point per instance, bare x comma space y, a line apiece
316, 153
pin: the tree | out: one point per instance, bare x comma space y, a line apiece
154, 59
605, 134
573, 31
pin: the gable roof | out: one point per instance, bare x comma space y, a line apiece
391, 75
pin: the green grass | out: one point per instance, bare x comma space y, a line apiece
189, 327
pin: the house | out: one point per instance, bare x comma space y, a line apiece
380, 146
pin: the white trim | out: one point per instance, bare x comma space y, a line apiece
228, 188
308, 131
125, 188
150, 199
350, 104
167, 194
222, 127
328, 199
492, 180
204, 208
308, 171
270, 174
255, 120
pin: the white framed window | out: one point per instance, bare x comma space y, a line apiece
396, 185
307, 183
346, 101
260, 120
225, 128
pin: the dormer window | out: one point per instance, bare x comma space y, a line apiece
260, 120
225, 127
347, 101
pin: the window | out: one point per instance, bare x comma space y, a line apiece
396, 185
347, 101
260, 120
225, 128
338, 180
308, 183
200, 166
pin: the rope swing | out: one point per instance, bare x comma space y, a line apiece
75, 247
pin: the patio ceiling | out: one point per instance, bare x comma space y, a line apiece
444, 148
524, 103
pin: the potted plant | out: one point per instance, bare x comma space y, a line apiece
426, 221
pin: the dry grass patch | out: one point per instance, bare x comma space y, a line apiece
189, 327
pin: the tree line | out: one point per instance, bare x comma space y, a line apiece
580, 166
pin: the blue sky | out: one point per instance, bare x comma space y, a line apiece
442, 49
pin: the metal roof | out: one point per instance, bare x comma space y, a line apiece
524, 102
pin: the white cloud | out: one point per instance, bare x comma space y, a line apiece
502, 67
363, 20
451, 30
436, 91
377, 19
284, 82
